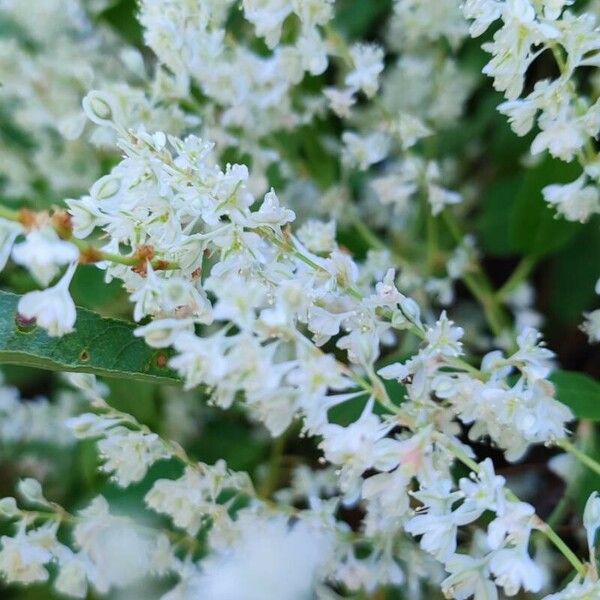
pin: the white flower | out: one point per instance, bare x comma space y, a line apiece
358, 447
513, 526
554, 8
514, 570
342, 268
578, 589
128, 454
53, 309
521, 114
485, 491
591, 325
439, 197
436, 522
576, 201
532, 357
31, 490
410, 130
396, 189
270, 213
8, 234
368, 65
318, 236
72, 577
468, 577
85, 216
312, 50
43, 253
162, 333
89, 425
191, 498
267, 16
591, 519
341, 101
313, 12
562, 137
23, 557
483, 13
363, 151
444, 337
119, 552
260, 560
169, 296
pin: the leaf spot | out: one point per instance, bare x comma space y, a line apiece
161, 360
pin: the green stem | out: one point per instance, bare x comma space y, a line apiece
518, 276
582, 457
493, 312
9, 214
271, 482
562, 547
560, 510
368, 235
432, 241
372, 239
586, 435
479, 285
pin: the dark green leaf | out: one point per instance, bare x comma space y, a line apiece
580, 392
573, 275
91, 291
494, 222
356, 17
123, 17
536, 230
99, 345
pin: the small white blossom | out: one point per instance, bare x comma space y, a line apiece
591, 519
43, 253
128, 454
53, 309
367, 60
23, 558
363, 151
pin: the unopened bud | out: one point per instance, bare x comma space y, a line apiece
99, 107
9, 508
31, 490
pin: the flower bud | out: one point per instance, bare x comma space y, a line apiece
9, 508
411, 310
99, 107
591, 518
106, 187
31, 490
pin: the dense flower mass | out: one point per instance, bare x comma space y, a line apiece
273, 194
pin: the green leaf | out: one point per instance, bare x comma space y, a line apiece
89, 289
98, 345
357, 17
494, 222
572, 277
578, 391
122, 16
536, 230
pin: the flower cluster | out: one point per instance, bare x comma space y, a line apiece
229, 241
568, 121
266, 306
46, 69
